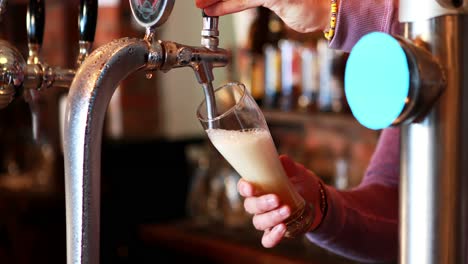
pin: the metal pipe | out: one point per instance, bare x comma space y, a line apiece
88, 98
62, 78
434, 160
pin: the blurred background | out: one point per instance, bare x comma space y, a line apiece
167, 195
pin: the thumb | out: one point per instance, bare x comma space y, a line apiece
289, 166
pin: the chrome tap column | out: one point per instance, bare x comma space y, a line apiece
88, 98
434, 160
428, 97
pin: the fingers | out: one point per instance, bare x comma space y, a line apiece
296, 172
205, 3
223, 7
246, 189
272, 218
272, 237
289, 166
262, 204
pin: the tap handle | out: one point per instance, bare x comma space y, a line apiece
205, 15
210, 33
210, 22
35, 20
87, 19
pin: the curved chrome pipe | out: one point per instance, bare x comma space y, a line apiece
88, 98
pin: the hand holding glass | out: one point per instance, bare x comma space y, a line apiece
240, 133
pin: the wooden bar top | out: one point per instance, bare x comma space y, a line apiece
219, 244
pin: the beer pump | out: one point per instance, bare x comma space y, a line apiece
418, 81
40, 85
87, 101
18, 77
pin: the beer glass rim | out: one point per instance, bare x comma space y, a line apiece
244, 91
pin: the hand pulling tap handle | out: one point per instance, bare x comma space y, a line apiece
35, 21
87, 26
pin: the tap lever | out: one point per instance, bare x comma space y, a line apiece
35, 20
87, 20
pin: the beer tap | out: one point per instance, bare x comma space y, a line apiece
418, 81
87, 101
40, 76
33, 81
18, 77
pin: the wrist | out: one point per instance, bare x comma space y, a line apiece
320, 207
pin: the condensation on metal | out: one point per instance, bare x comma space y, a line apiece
89, 96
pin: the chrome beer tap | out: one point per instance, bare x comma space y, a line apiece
33, 81
87, 101
418, 81
18, 77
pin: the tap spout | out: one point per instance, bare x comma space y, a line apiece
88, 99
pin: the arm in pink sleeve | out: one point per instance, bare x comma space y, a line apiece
358, 17
362, 223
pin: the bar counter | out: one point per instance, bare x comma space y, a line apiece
218, 244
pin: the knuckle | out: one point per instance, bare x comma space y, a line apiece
257, 223
248, 206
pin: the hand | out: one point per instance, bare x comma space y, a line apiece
269, 212
301, 15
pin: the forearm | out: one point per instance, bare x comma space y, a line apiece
361, 224
357, 18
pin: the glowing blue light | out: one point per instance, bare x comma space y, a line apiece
377, 80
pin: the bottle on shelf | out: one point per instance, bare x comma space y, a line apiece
310, 82
258, 34
276, 32
272, 77
290, 75
331, 94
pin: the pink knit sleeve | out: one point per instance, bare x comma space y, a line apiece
358, 17
362, 224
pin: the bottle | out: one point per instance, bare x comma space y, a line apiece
276, 32
290, 75
257, 39
272, 77
331, 95
310, 82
